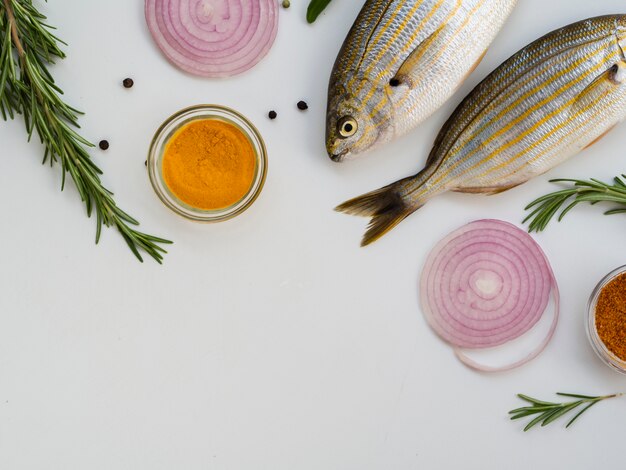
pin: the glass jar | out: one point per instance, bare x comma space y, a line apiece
170, 127
597, 344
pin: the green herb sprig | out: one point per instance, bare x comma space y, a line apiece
592, 191
316, 7
27, 48
545, 412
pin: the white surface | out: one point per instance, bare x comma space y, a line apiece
272, 341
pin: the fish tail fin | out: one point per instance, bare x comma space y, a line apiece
386, 206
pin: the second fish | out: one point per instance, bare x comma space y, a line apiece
400, 62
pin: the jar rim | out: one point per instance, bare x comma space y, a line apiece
601, 350
163, 135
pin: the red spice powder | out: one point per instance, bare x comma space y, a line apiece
611, 316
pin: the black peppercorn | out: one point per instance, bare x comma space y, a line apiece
104, 144
128, 83
302, 106
272, 114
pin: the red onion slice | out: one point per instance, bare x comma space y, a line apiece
213, 38
486, 284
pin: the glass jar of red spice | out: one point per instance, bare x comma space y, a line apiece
606, 319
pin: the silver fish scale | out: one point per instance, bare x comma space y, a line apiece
496, 84
466, 33
442, 40
533, 120
381, 20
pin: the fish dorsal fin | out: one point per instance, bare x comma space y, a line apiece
601, 87
410, 68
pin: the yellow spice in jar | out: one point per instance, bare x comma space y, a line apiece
209, 164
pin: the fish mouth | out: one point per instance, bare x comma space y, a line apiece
338, 157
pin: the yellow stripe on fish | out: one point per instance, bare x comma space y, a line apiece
514, 106
435, 43
446, 49
375, 63
543, 105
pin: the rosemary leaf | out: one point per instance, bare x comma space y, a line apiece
574, 395
534, 400
577, 415
558, 412
27, 49
593, 191
548, 412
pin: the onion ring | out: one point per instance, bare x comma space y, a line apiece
484, 285
213, 38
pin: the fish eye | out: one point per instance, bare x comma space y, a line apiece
347, 127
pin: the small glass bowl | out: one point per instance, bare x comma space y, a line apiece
598, 346
165, 133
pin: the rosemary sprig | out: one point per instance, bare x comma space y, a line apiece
27, 48
315, 8
546, 412
591, 191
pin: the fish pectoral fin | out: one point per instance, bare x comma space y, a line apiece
410, 68
601, 86
487, 190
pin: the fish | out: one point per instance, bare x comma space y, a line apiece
546, 103
401, 61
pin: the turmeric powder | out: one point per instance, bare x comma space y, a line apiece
209, 164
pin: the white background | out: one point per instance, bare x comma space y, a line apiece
271, 341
